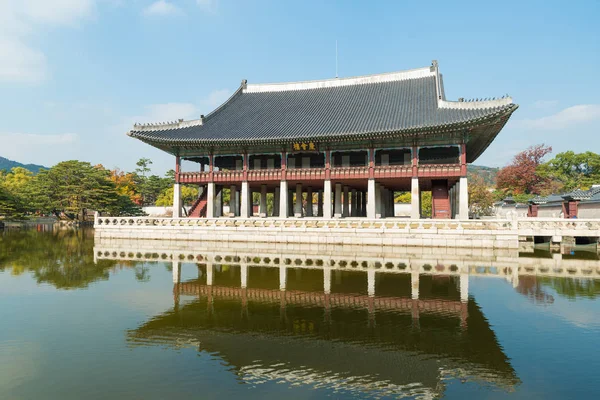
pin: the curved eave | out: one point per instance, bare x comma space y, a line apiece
168, 142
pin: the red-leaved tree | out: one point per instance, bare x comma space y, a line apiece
520, 177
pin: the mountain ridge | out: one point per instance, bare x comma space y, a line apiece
7, 165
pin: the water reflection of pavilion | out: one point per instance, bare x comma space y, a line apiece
345, 330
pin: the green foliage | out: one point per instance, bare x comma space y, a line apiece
573, 170
426, 202
487, 174
189, 194
481, 198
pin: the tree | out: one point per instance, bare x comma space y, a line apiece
520, 176
72, 187
189, 194
126, 185
572, 170
426, 202
481, 199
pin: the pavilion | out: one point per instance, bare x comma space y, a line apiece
349, 143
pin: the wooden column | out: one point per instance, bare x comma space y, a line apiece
415, 161
371, 163
327, 164
177, 168
283, 165
463, 160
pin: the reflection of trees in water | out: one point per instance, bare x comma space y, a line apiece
531, 287
573, 288
535, 287
63, 258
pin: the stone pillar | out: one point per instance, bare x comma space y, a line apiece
309, 202
276, 202
464, 287
371, 199
354, 208
283, 200
346, 209
377, 200
298, 208
327, 199
210, 200
320, 203
219, 203
337, 210
245, 201
209, 274
414, 283
176, 271
263, 201
463, 199
371, 282
282, 277
176, 201
327, 280
415, 199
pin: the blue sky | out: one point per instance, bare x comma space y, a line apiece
76, 74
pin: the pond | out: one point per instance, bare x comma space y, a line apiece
87, 319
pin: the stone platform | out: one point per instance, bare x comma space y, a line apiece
501, 234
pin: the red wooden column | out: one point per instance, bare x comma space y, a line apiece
245, 166
371, 163
283, 165
463, 159
177, 168
415, 161
328, 164
211, 167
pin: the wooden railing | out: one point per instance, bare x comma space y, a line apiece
318, 174
438, 170
350, 173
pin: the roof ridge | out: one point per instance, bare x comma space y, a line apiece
157, 126
416, 73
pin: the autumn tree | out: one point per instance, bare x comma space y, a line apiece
481, 199
520, 176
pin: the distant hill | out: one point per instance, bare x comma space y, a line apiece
7, 165
487, 173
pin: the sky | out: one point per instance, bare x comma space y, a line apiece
76, 74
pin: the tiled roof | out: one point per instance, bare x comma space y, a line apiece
579, 194
369, 107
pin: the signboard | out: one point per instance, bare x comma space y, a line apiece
304, 146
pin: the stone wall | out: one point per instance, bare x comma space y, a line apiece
588, 210
550, 211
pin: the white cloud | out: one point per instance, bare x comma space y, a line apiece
31, 147
566, 118
20, 21
216, 98
161, 8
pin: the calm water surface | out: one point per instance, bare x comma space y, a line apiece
73, 325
